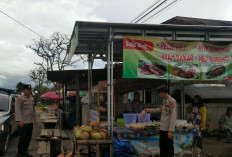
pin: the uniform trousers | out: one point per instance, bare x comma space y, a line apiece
25, 134
166, 145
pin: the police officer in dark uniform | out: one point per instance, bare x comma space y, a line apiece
167, 122
25, 116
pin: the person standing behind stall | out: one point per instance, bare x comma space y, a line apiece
25, 116
226, 119
167, 122
136, 106
225, 124
198, 118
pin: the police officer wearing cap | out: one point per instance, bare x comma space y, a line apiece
25, 116
167, 122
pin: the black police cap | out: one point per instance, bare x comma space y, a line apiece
26, 86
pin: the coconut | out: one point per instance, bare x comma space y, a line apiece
104, 135
84, 136
105, 131
92, 132
94, 124
96, 136
87, 129
75, 129
77, 134
61, 155
83, 126
69, 154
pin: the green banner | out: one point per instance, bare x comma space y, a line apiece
145, 57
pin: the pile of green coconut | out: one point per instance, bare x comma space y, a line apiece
93, 131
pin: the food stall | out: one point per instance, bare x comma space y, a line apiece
104, 41
98, 108
144, 137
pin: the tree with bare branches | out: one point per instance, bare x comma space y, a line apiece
38, 76
53, 53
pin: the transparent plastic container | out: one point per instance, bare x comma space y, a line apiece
129, 118
145, 119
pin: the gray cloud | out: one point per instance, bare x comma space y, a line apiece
46, 17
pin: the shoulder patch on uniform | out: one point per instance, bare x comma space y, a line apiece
18, 99
171, 104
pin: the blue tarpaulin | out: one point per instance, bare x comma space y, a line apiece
122, 149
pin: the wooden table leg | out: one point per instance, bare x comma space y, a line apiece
78, 149
111, 150
97, 150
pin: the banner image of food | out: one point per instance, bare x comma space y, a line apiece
184, 71
150, 146
150, 69
145, 57
215, 71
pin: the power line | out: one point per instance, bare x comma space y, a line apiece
21, 24
145, 11
166, 7
150, 11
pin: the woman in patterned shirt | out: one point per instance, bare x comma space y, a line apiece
198, 118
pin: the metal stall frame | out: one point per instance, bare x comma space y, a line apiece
104, 40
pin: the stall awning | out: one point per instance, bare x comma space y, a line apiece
92, 37
123, 85
68, 76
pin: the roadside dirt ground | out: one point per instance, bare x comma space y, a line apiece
211, 146
214, 148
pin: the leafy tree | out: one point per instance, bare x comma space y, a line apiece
44, 90
56, 87
19, 87
39, 90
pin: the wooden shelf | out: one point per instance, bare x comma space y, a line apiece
95, 143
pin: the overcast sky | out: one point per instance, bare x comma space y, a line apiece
48, 16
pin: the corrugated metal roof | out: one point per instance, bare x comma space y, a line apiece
93, 37
179, 20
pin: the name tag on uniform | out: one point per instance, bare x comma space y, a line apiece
26, 103
166, 109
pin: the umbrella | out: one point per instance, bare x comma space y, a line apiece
51, 95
